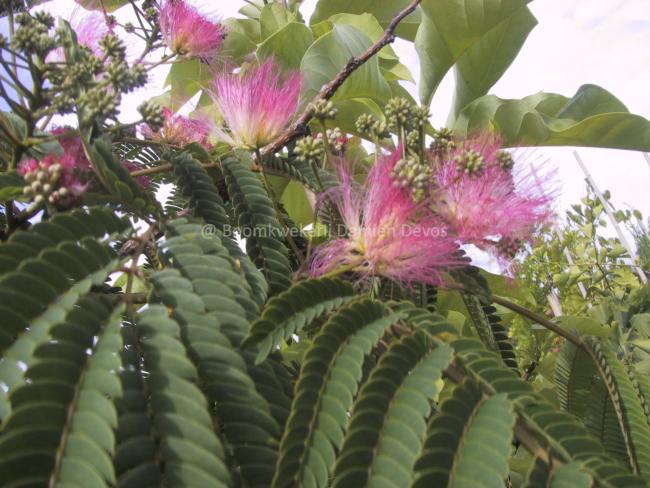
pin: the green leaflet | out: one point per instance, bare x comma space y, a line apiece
468, 441
210, 301
490, 329
568, 438
388, 418
575, 373
286, 314
204, 199
66, 404
328, 382
188, 446
52, 265
629, 407
257, 217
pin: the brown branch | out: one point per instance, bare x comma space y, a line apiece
298, 128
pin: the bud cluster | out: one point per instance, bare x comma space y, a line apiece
324, 110
370, 126
411, 173
505, 160
470, 162
152, 115
335, 140
32, 35
443, 142
43, 186
309, 150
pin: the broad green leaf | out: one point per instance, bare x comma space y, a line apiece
383, 10
484, 63
107, 5
368, 24
449, 29
592, 117
329, 54
288, 45
273, 18
294, 199
186, 78
242, 39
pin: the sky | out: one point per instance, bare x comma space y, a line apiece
576, 42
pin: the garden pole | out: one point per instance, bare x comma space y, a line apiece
612, 219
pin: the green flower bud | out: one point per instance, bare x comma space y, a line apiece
324, 109
505, 160
113, 46
443, 142
470, 162
370, 126
309, 150
152, 114
412, 173
399, 113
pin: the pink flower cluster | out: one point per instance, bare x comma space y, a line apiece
388, 233
496, 204
257, 104
185, 31
178, 130
392, 235
90, 28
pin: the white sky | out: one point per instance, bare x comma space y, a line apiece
577, 41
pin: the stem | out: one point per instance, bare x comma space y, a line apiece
339, 271
535, 317
330, 89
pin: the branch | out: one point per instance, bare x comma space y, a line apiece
298, 128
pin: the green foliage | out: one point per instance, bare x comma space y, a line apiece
328, 382
287, 313
460, 32
468, 440
148, 345
388, 418
258, 219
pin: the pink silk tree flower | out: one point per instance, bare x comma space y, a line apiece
90, 29
388, 234
179, 130
185, 31
484, 200
256, 105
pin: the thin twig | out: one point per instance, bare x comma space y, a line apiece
543, 321
298, 128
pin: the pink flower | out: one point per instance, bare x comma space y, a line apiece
90, 29
387, 233
483, 200
256, 105
179, 131
187, 32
